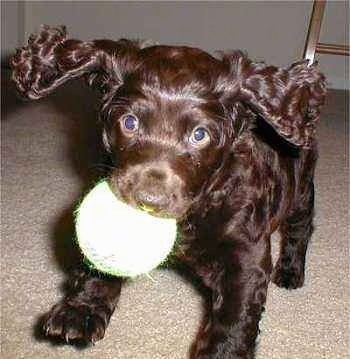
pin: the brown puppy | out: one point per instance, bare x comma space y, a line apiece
225, 145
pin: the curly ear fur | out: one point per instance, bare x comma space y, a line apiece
50, 59
289, 99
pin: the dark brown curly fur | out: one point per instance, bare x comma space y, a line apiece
226, 145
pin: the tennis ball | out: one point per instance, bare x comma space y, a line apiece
118, 239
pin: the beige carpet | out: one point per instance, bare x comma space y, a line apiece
49, 155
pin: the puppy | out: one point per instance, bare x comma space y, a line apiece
225, 145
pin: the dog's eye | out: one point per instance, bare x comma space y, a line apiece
199, 137
130, 124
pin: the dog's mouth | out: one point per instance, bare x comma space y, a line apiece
172, 209
154, 211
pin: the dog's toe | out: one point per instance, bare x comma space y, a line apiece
291, 277
74, 323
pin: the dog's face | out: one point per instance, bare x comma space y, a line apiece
167, 131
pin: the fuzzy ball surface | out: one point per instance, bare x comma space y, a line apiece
118, 239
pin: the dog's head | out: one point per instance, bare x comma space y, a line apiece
172, 114
166, 128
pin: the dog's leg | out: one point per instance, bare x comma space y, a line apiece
83, 315
296, 231
239, 284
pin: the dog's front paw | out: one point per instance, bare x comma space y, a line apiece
206, 347
289, 277
74, 321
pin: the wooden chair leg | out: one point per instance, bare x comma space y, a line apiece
312, 45
314, 30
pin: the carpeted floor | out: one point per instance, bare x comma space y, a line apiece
49, 155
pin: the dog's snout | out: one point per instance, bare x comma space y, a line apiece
156, 174
153, 187
150, 194
150, 200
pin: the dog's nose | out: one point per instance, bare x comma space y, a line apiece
150, 201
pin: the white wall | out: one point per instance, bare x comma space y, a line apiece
12, 26
273, 31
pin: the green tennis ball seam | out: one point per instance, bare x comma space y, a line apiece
112, 273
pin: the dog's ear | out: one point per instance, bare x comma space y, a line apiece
50, 59
289, 99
